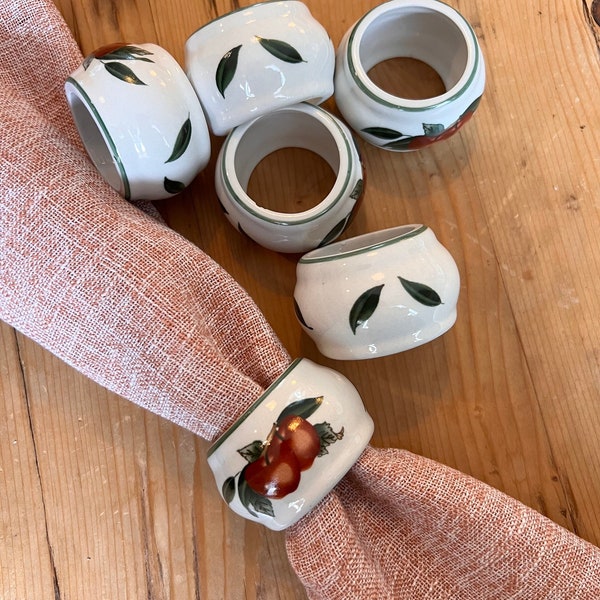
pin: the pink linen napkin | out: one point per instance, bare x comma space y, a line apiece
112, 291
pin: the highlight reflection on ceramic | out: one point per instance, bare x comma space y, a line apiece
292, 446
302, 126
257, 59
139, 119
377, 294
426, 30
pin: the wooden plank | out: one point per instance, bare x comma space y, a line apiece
27, 566
107, 500
130, 504
539, 186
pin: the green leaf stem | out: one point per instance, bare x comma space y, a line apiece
364, 307
421, 293
281, 50
181, 143
226, 69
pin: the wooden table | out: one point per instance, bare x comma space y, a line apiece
99, 499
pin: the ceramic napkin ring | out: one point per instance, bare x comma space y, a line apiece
426, 30
139, 119
257, 59
377, 294
292, 446
303, 126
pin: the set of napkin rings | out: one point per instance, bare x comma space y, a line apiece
258, 76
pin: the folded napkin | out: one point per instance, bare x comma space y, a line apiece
115, 293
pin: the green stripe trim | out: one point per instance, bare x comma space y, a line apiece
106, 135
252, 408
307, 259
379, 100
247, 208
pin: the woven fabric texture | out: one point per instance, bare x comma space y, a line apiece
401, 526
97, 281
112, 291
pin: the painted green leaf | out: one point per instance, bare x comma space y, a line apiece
181, 143
299, 315
358, 190
88, 59
383, 133
358, 150
225, 211
252, 451
364, 307
402, 144
302, 408
473, 106
433, 129
137, 51
281, 50
123, 72
327, 436
226, 69
128, 53
116, 52
173, 187
228, 489
336, 231
252, 501
421, 293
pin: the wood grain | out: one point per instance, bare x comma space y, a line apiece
99, 499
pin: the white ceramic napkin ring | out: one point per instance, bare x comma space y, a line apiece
302, 126
377, 294
426, 30
139, 119
292, 446
257, 59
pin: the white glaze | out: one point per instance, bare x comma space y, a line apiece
341, 408
131, 130
426, 30
303, 126
332, 284
237, 79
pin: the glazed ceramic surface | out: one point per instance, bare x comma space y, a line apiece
426, 30
305, 432
139, 119
377, 294
258, 59
303, 126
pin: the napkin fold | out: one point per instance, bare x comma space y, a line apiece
106, 286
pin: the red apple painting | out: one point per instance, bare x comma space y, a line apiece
275, 464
